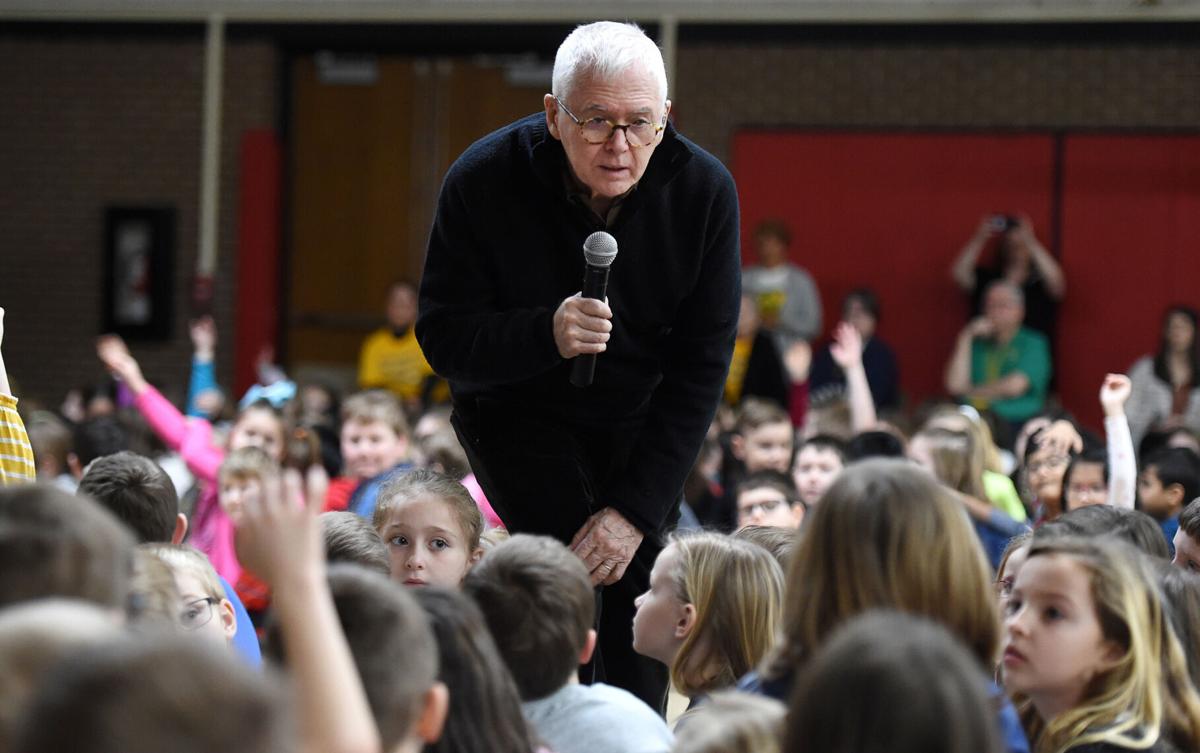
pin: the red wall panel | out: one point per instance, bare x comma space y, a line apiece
1131, 246
258, 252
891, 211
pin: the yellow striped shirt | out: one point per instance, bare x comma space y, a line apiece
16, 454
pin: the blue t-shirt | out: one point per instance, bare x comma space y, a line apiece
1170, 527
362, 501
246, 639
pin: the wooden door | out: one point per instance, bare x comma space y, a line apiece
367, 162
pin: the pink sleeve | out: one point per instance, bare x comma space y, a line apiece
481, 501
192, 438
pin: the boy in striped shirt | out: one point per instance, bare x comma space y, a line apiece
16, 454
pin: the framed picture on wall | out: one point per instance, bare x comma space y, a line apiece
139, 251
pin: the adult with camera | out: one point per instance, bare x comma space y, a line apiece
1019, 259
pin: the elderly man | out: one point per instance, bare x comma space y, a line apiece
998, 363
600, 468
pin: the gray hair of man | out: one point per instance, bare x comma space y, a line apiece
605, 50
1011, 288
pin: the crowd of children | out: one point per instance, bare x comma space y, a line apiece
850, 585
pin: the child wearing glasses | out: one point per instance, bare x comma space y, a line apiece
203, 608
768, 498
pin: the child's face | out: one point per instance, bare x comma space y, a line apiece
235, 490
371, 447
1187, 551
765, 506
662, 621
1157, 501
1054, 646
1045, 474
816, 469
1007, 577
209, 618
258, 428
1087, 486
427, 545
768, 447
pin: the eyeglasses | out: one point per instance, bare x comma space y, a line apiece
1004, 587
198, 613
600, 130
766, 506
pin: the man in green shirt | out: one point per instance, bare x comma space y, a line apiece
998, 364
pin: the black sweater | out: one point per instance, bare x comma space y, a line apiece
506, 249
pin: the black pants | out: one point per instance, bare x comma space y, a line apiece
542, 478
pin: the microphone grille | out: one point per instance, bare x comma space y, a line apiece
600, 249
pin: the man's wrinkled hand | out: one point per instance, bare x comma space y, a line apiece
582, 325
606, 543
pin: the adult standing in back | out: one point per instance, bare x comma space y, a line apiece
788, 302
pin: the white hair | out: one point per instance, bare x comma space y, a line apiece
606, 49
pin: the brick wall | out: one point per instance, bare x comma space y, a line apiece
91, 118
1117, 78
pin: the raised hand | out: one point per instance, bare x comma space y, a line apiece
278, 534
797, 359
115, 355
847, 346
204, 337
1062, 438
1114, 393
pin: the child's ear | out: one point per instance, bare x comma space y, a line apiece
737, 445
433, 713
798, 514
1174, 494
476, 555
228, 618
589, 648
75, 467
181, 527
1113, 654
687, 621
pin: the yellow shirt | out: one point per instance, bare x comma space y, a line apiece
394, 363
16, 454
737, 369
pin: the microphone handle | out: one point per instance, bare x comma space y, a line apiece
595, 285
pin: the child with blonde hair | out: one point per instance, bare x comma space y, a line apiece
886, 536
1090, 654
431, 527
712, 612
733, 722
202, 606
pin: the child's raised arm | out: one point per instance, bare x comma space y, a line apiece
114, 353
16, 454
191, 439
1122, 466
847, 351
279, 540
204, 377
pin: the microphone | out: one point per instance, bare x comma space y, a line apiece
599, 250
